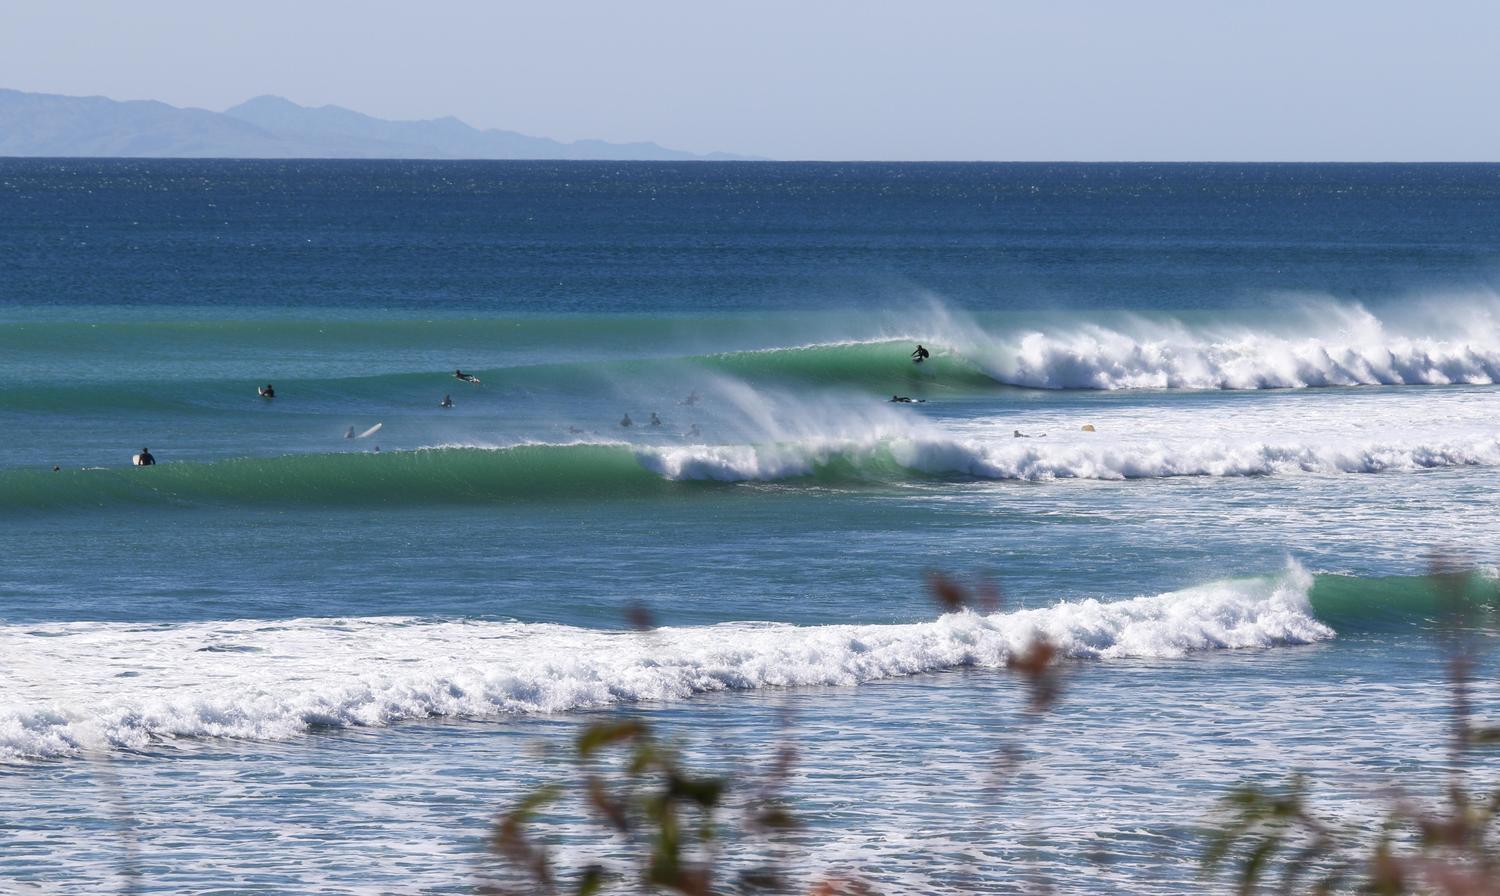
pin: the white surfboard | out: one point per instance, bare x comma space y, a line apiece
370, 432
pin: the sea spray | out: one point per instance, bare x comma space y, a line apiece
1310, 344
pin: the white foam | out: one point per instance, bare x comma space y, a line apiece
1211, 435
1035, 461
70, 688
1320, 344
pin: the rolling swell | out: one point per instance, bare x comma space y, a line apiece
1353, 604
442, 475
603, 471
878, 368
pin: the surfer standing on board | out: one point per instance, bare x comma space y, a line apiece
920, 355
144, 459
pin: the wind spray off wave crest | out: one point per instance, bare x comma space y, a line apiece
1323, 344
65, 694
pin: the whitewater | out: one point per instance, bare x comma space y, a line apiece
72, 689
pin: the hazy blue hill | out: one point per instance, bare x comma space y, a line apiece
36, 124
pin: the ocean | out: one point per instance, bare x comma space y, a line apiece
1204, 427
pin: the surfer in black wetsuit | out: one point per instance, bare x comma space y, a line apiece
447, 402
144, 459
268, 391
920, 355
655, 420
626, 421
349, 433
466, 377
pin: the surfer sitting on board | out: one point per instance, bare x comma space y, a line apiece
920, 355
267, 391
144, 459
447, 402
626, 421
655, 420
466, 377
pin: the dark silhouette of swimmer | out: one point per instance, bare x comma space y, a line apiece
694, 431
267, 391
377, 449
575, 430
56, 468
655, 420
691, 400
144, 459
466, 377
349, 433
447, 402
920, 355
902, 399
626, 421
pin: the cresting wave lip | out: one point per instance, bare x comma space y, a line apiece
274, 680
1319, 345
601, 471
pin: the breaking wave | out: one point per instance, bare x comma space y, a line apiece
1322, 345
617, 470
70, 688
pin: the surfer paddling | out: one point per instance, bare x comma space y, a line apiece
466, 377
921, 354
903, 399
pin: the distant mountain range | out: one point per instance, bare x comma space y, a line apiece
44, 124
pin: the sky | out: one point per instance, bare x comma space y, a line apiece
822, 79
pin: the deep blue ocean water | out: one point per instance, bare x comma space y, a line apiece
1205, 425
